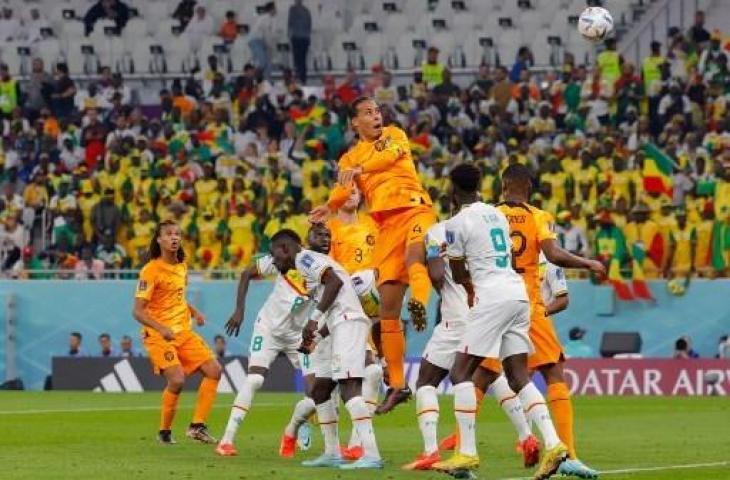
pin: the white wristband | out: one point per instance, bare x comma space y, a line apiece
315, 315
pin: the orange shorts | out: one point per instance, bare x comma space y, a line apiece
396, 230
548, 349
188, 350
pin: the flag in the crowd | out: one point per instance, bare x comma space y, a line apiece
623, 292
420, 144
658, 168
306, 116
638, 282
719, 246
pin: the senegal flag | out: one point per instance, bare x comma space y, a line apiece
719, 252
306, 116
657, 173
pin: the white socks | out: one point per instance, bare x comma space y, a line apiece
327, 416
370, 390
241, 405
512, 406
538, 414
465, 408
371, 385
302, 411
427, 409
362, 422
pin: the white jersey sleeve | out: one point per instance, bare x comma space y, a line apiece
312, 267
553, 284
454, 303
265, 266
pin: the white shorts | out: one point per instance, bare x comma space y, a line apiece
444, 343
265, 347
497, 329
342, 354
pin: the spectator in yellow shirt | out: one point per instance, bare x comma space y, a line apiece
682, 247
316, 191
242, 227
703, 229
205, 186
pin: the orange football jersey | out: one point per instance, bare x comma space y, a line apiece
528, 227
352, 244
163, 285
389, 179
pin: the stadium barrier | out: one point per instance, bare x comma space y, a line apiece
595, 377
40, 314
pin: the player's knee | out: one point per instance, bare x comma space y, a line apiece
213, 370
255, 381
517, 380
320, 394
175, 382
459, 377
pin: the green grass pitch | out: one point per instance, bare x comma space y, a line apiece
63, 435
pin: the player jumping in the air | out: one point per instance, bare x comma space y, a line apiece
353, 239
531, 234
340, 358
175, 350
278, 329
381, 166
438, 358
497, 323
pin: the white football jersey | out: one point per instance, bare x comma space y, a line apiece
552, 281
479, 234
454, 303
286, 309
347, 304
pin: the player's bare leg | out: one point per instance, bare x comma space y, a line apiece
241, 405
393, 344
198, 431
561, 407
427, 410
297, 430
175, 380
518, 377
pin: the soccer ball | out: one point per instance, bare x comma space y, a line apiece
595, 23
676, 287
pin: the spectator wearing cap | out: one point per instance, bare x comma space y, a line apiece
576, 347
571, 237
113, 10
299, 28
432, 70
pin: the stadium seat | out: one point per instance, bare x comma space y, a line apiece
135, 28
49, 50
240, 53
155, 11
508, 40
12, 58
465, 22
373, 49
406, 55
141, 55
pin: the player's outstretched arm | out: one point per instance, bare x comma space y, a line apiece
557, 255
338, 197
332, 285
233, 325
139, 312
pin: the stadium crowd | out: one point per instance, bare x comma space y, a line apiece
86, 172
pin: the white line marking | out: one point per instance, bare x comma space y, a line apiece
118, 409
649, 469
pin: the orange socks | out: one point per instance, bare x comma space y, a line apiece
420, 282
561, 407
394, 350
169, 407
206, 397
